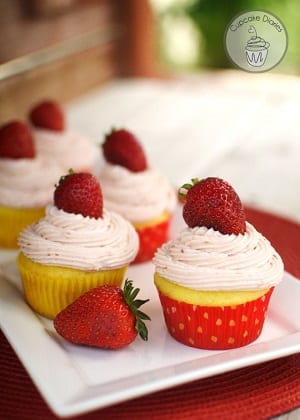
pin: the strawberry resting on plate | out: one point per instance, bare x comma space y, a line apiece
106, 316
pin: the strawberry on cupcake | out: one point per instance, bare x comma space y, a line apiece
26, 181
56, 141
77, 246
136, 190
216, 278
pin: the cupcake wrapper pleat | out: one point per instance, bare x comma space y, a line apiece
13, 220
215, 328
49, 289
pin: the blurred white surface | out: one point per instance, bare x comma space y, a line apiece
238, 126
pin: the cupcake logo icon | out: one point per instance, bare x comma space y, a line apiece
256, 49
255, 41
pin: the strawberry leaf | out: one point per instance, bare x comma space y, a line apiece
142, 329
182, 191
130, 294
142, 315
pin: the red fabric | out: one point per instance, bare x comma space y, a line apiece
283, 234
253, 393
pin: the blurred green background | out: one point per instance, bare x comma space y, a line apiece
191, 32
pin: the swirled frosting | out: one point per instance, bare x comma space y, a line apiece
138, 196
72, 240
27, 183
69, 149
256, 43
204, 259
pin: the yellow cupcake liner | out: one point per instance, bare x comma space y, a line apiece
49, 289
13, 220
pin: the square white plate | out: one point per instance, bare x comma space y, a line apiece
76, 379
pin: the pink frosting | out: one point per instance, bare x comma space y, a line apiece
72, 240
205, 259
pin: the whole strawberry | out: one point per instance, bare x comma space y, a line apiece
49, 115
79, 193
213, 203
106, 317
16, 141
122, 148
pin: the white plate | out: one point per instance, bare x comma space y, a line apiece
75, 379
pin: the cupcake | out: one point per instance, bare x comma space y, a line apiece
256, 49
55, 141
25, 184
77, 246
137, 191
216, 278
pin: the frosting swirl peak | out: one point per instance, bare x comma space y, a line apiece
204, 259
137, 196
75, 241
24, 183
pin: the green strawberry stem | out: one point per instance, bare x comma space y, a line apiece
63, 177
182, 191
130, 293
106, 135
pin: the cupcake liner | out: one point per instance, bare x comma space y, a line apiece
256, 58
215, 328
13, 220
151, 237
49, 289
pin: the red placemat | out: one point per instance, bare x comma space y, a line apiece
253, 393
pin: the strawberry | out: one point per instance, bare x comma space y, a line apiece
213, 203
16, 141
121, 147
79, 193
106, 317
49, 115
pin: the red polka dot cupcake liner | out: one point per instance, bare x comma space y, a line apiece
215, 328
151, 237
